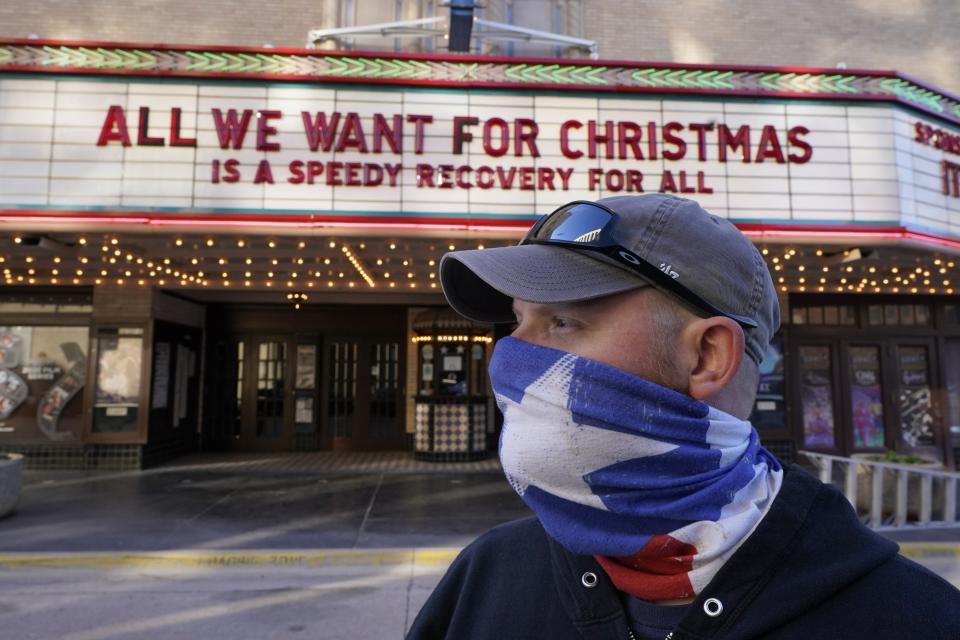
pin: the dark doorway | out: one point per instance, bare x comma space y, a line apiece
264, 394
316, 378
363, 397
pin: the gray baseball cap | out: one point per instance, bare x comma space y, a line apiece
704, 253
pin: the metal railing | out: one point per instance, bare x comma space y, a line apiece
918, 497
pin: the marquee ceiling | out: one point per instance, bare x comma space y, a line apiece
312, 269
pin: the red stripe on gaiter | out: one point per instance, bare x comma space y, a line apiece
657, 572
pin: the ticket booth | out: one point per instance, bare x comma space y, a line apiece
452, 402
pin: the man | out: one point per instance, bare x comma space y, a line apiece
625, 387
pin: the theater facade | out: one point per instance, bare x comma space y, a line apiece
235, 249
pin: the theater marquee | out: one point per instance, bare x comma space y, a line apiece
192, 145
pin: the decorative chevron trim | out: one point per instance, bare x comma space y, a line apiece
471, 71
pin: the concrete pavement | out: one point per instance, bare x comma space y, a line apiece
255, 549
355, 595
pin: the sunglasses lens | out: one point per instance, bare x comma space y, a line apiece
576, 223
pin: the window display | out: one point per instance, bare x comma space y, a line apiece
119, 363
42, 371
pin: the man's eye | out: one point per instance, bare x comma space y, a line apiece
561, 323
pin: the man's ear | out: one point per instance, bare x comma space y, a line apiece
717, 343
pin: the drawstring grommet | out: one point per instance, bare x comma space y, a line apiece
589, 579
713, 607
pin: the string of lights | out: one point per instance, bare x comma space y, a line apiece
297, 265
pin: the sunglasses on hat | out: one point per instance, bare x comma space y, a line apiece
590, 226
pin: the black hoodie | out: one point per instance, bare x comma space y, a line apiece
809, 571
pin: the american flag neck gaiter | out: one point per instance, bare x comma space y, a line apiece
660, 487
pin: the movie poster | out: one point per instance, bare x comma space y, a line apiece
118, 373
915, 401
867, 405
13, 391
56, 398
306, 366
769, 409
816, 396
866, 397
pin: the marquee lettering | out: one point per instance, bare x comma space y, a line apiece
326, 132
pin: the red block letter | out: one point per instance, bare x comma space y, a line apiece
264, 130
231, 131
115, 120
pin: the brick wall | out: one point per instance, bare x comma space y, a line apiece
917, 37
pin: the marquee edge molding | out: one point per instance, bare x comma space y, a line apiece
485, 72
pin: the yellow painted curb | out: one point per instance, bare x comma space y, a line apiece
223, 559
333, 557
916, 550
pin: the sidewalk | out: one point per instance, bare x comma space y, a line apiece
302, 546
291, 501
249, 547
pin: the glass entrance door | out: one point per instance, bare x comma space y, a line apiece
364, 394
264, 390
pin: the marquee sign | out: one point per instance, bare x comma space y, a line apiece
184, 145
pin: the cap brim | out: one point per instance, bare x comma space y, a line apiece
482, 284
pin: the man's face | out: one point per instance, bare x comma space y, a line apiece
619, 330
